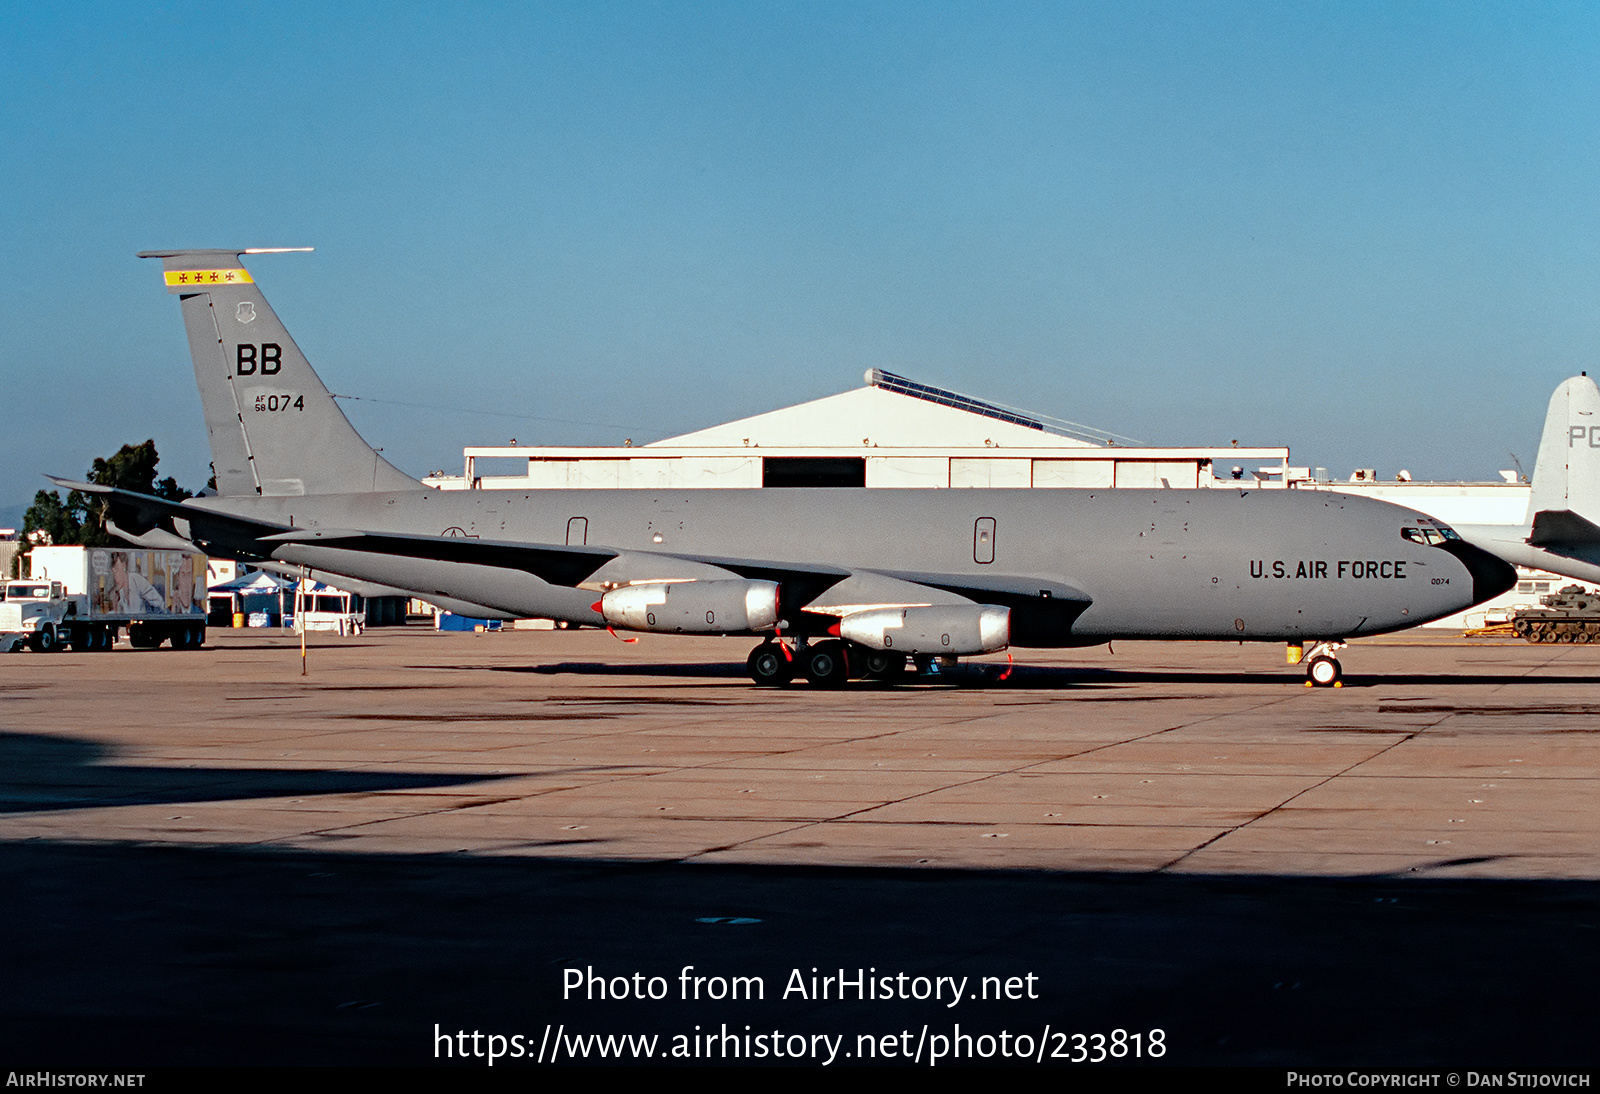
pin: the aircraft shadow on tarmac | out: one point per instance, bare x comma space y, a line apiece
43, 772
127, 953
1028, 677
136, 955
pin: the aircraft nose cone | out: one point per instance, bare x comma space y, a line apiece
1491, 575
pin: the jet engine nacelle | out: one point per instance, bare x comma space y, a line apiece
693, 607
940, 629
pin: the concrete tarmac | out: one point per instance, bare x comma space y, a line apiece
207, 858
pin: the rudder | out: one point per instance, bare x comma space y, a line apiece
274, 428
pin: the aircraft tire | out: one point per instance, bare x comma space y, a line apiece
882, 665
1323, 672
826, 665
768, 666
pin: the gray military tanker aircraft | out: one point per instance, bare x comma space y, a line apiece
835, 582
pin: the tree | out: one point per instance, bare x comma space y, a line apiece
50, 520
81, 518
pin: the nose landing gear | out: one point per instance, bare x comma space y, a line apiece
1322, 667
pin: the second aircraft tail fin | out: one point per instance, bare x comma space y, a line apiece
274, 428
1565, 505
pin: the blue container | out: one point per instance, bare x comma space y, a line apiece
450, 621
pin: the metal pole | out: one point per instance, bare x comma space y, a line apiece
300, 616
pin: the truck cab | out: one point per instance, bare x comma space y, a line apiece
35, 612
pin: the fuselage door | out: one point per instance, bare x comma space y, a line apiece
983, 540
577, 531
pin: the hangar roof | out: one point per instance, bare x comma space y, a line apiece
890, 412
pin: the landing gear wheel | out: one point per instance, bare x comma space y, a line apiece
883, 665
826, 666
1323, 672
768, 666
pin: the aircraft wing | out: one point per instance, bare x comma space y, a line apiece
555, 563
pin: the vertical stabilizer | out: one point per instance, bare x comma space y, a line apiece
1567, 475
274, 429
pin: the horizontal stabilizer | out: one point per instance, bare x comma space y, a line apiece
137, 514
1563, 528
134, 516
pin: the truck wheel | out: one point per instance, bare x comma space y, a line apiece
44, 640
197, 636
81, 639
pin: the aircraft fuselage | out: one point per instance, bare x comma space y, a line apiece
1200, 564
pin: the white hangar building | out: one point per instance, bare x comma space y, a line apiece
893, 432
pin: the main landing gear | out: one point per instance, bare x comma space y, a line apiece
1322, 667
771, 664
830, 663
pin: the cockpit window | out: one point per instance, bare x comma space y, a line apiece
1432, 535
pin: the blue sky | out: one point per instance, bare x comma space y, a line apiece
1367, 231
